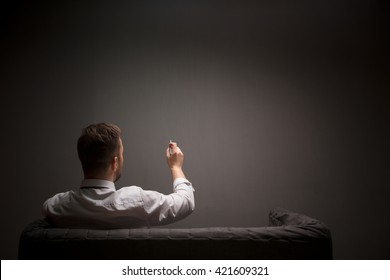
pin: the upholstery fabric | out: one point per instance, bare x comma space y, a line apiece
288, 236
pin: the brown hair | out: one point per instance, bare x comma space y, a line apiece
97, 145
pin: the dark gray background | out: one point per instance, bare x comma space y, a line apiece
274, 103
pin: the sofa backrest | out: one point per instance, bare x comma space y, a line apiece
288, 236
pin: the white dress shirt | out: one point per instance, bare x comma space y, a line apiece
97, 204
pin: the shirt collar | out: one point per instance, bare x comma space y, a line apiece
97, 183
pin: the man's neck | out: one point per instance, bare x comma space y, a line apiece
99, 177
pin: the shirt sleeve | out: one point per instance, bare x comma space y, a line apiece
164, 209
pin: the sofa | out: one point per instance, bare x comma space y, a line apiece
288, 236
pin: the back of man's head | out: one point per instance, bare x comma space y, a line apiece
97, 145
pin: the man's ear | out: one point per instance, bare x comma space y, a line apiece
114, 163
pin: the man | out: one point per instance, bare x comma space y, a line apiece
97, 204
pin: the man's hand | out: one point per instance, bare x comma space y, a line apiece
175, 160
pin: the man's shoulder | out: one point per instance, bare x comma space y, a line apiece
62, 195
129, 193
131, 189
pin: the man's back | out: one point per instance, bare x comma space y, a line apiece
97, 204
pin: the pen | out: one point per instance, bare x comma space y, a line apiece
170, 147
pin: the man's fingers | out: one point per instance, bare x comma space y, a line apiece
168, 153
178, 151
173, 149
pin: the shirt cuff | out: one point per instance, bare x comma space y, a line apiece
181, 183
